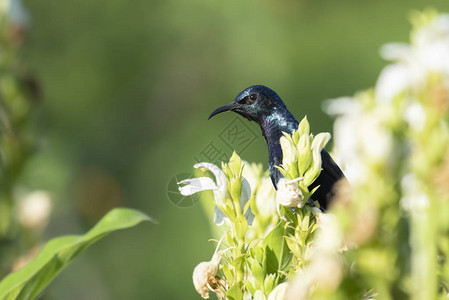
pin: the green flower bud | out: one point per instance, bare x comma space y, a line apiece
289, 156
320, 141
235, 164
305, 155
304, 126
318, 144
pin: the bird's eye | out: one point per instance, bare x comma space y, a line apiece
253, 97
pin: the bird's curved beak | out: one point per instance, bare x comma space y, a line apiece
221, 109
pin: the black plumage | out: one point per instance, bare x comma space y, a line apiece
262, 105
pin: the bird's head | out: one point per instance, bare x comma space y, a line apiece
253, 103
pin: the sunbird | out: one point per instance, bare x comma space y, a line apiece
262, 105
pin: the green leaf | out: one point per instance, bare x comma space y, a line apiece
294, 246
277, 253
227, 272
29, 281
234, 293
256, 271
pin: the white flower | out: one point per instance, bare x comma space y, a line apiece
279, 292
375, 140
288, 193
205, 277
415, 116
359, 136
259, 295
34, 209
220, 189
429, 52
330, 235
414, 199
346, 146
431, 43
393, 79
195, 185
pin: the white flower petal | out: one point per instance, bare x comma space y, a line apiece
320, 141
259, 295
340, 106
393, 79
395, 51
196, 185
221, 179
288, 194
415, 116
279, 292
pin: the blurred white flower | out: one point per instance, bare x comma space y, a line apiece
18, 13
34, 210
414, 199
415, 116
375, 140
431, 43
259, 295
330, 235
325, 267
346, 148
393, 79
429, 52
279, 292
359, 136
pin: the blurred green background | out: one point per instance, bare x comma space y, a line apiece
127, 89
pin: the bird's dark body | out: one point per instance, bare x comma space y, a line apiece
263, 106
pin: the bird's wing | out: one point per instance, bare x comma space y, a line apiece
330, 167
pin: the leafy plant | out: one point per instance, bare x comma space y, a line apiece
31, 280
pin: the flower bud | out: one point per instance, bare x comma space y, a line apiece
235, 164
318, 144
288, 193
305, 155
304, 127
289, 152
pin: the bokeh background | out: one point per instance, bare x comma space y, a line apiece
127, 89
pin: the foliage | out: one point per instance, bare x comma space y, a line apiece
28, 282
386, 235
23, 213
260, 248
